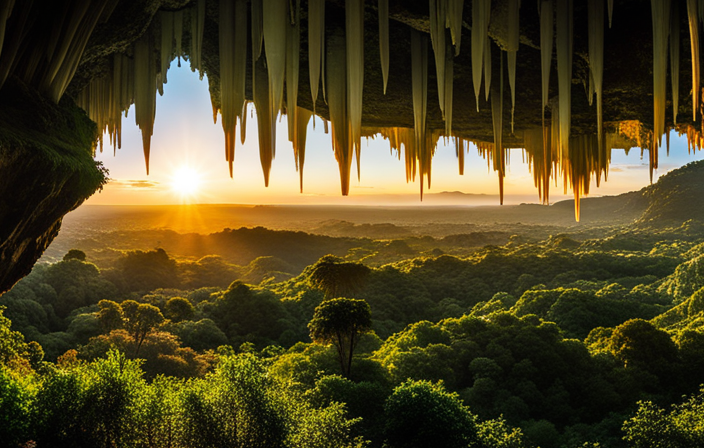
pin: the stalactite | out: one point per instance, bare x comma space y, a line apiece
243, 122
481, 10
233, 69
419, 76
275, 46
449, 80
694, 40
596, 60
197, 28
661, 28
512, 49
316, 44
675, 59
564, 68
437, 39
487, 69
497, 110
299, 141
145, 91
546, 44
611, 11
178, 34
68, 46
454, 22
265, 125
167, 42
293, 43
460, 148
336, 72
354, 33
384, 39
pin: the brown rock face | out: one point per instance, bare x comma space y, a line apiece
46, 170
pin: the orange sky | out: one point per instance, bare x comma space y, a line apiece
185, 136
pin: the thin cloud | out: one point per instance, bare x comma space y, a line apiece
141, 184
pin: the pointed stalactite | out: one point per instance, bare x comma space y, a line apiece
459, 152
611, 11
455, 9
178, 34
243, 122
596, 60
68, 46
354, 33
512, 49
293, 43
565, 25
546, 46
197, 29
694, 40
265, 126
233, 69
275, 26
257, 35
384, 39
481, 10
145, 91
419, 76
497, 111
449, 81
336, 72
675, 59
437, 39
661, 28
316, 47
299, 141
167, 42
487, 69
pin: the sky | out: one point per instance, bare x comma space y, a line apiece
188, 164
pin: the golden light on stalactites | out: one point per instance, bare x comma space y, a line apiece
185, 182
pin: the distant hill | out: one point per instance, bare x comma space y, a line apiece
675, 198
678, 196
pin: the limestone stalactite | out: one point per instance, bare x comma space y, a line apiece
354, 34
384, 40
481, 11
316, 45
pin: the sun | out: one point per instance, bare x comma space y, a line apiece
185, 181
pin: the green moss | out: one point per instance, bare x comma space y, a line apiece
51, 138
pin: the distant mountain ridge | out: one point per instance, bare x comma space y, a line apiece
676, 197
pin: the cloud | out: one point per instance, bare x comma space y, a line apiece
128, 184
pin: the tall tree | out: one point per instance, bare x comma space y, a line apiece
341, 321
140, 319
337, 278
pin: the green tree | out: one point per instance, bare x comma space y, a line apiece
421, 414
337, 278
178, 309
638, 343
113, 386
340, 322
15, 403
75, 254
110, 315
140, 320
